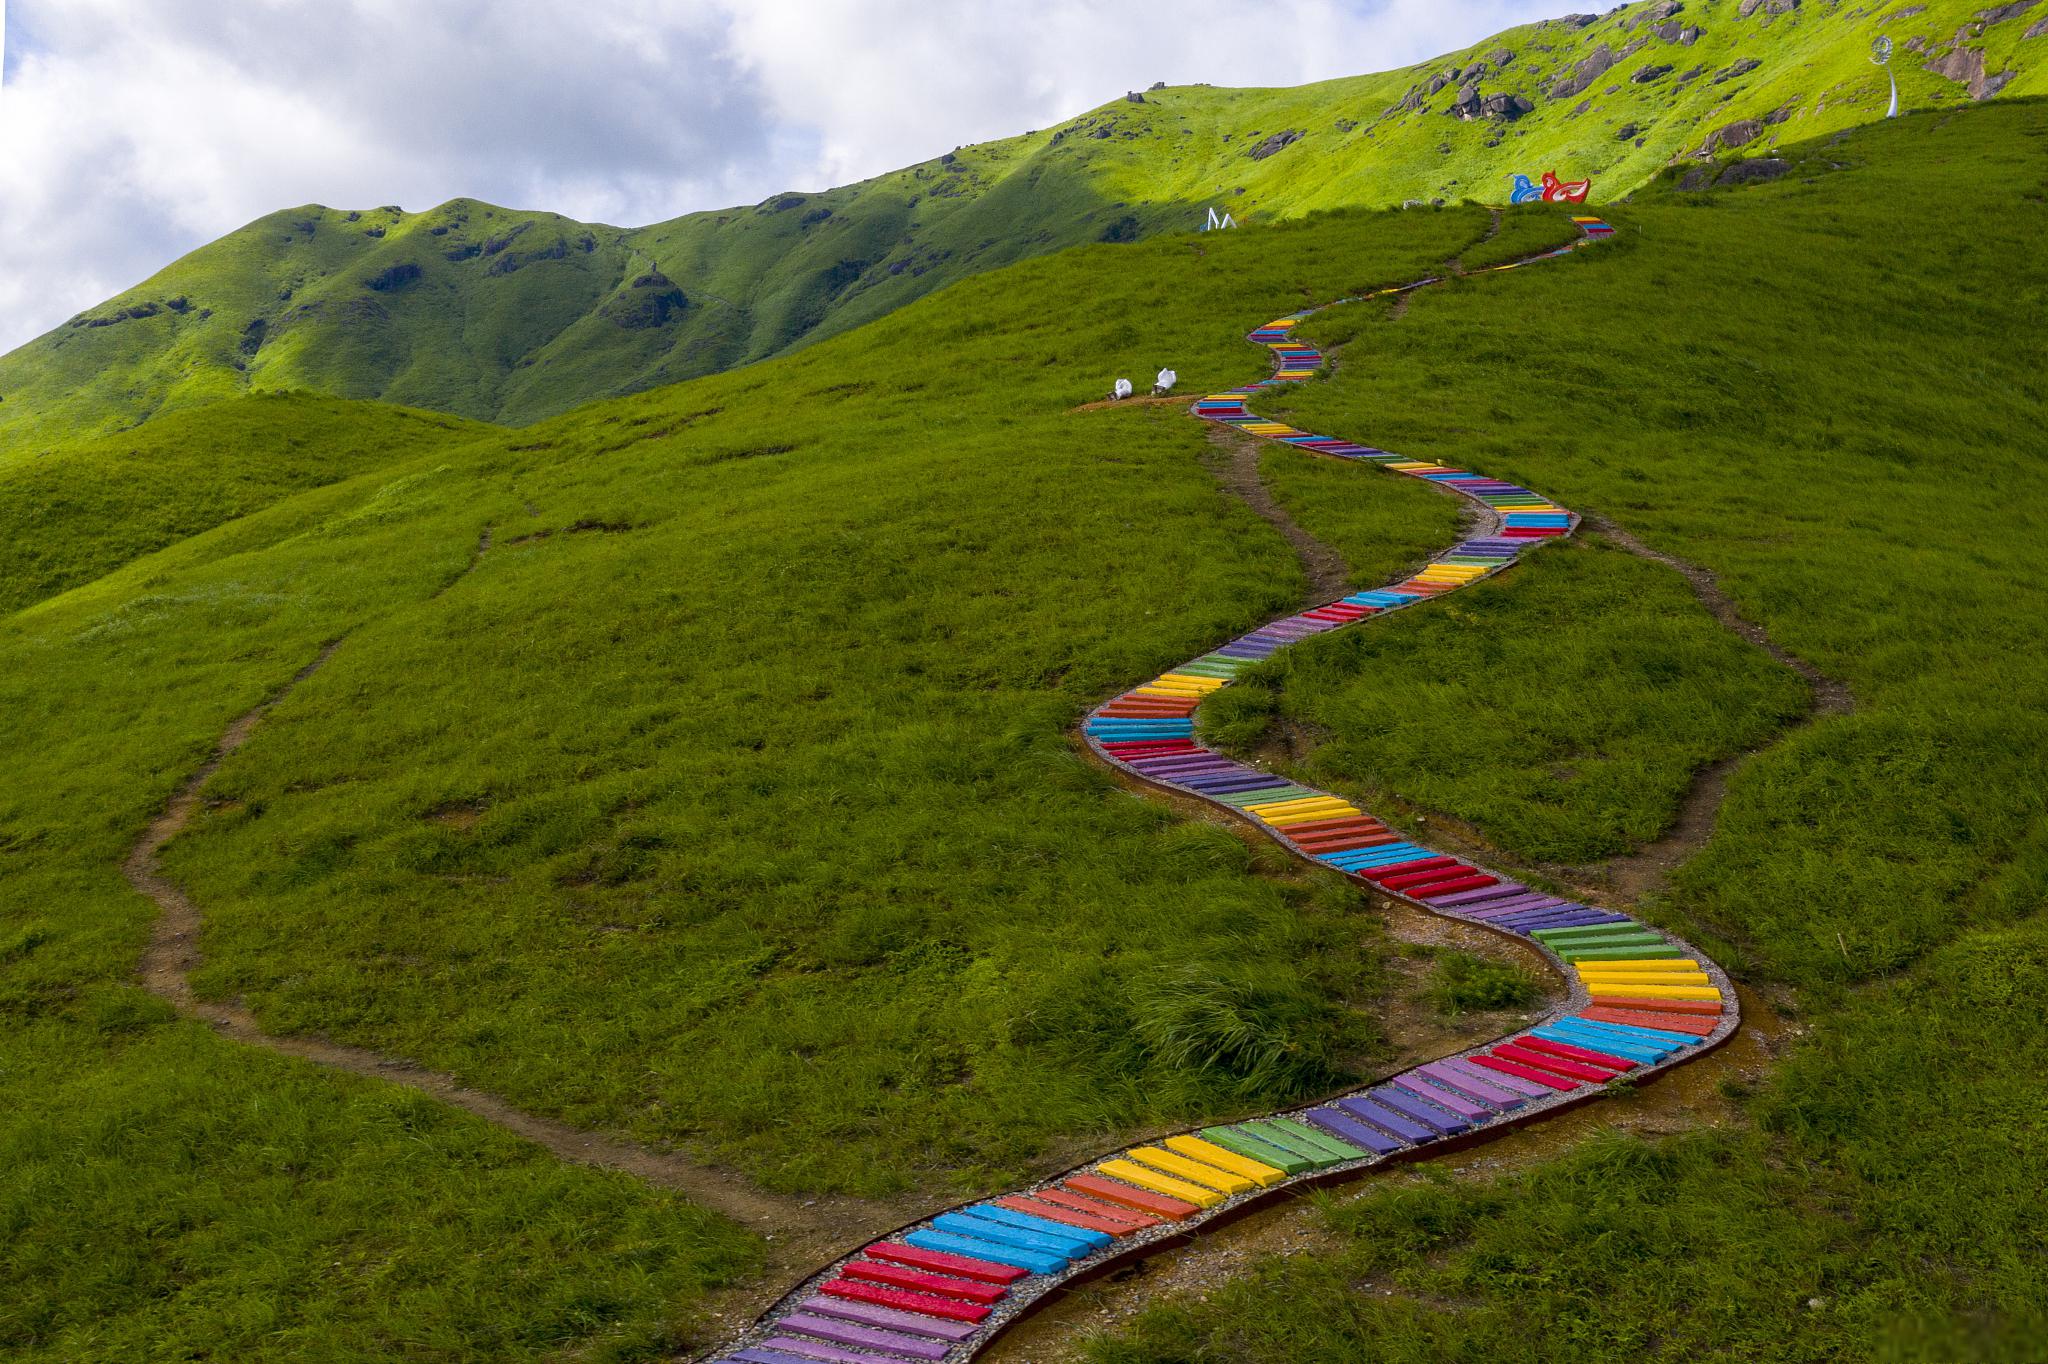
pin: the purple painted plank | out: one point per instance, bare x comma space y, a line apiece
1488, 1093
846, 1333
1416, 1107
1516, 904
1231, 786
812, 1349
1344, 1126
1470, 1109
1390, 1119
757, 1355
1505, 890
1552, 918
868, 1314
1213, 776
1579, 914
1514, 1084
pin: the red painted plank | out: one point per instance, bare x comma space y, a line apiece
1129, 1196
1478, 881
1067, 1198
1645, 1018
1053, 1212
1701, 1008
1426, 876
1512, 1051
902, 1276
1343, 824
1572, 1053
945, 1262
1381, 874
1541, 1077
904, 1300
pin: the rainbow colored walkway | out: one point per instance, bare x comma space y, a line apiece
1641, 1001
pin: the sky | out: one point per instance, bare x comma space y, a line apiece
133, 131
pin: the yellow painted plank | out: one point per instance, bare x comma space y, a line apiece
1209, 1153
1206, 1175
1677, 975
1643, 964
1634, 991
1296, 807
1130, 1172
1289, 821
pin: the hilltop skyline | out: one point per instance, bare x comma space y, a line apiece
133, 136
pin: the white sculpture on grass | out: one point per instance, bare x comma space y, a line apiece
1881, 54
1167, 379
1122, 390
1216, 224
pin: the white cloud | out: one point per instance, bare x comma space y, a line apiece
132, 133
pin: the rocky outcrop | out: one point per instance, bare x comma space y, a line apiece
1650, 73
2038, 30
1965, 65
1770, 7
516, 260
1741, 67
1133, 97
651, 301
1596, 64
395, 278
1277, 142
1684, 35
1738, 134
1656, 14
1471, 105
1998, 15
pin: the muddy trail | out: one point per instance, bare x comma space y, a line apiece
798, 1230
1644, 872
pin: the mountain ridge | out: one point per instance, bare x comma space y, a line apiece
511, 315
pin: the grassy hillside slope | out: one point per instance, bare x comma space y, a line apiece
512, 315
81, 510
1769, 382
727, 797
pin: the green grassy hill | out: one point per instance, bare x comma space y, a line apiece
78, 511
697, 765
510, 316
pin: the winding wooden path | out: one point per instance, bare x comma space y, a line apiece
1641, 1001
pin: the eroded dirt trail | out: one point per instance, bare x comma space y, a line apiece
1645, 871
798, 1231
